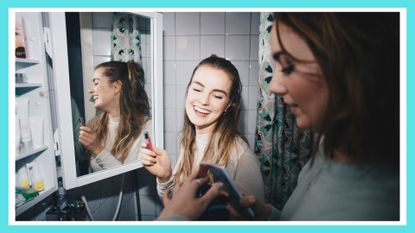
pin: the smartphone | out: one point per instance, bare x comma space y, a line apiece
220, 174
147, 139
81, 121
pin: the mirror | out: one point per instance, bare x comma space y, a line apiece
88, 42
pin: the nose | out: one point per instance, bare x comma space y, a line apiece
204, 99
277, 85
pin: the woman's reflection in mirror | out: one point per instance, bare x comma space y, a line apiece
113, 136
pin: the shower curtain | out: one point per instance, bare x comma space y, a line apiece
282, 148
125, 38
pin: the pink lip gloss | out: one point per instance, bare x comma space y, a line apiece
147, 139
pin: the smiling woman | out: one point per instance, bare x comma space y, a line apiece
113, 137
210, 131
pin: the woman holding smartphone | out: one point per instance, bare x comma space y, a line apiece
210, 131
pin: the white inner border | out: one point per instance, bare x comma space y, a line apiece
403, 96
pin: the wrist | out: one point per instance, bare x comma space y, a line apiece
97, 150
165, 177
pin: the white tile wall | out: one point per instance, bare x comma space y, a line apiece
238, 23
237, 47
187, 47
212, 23
187, 24
212, 45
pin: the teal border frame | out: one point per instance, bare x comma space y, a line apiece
165, 4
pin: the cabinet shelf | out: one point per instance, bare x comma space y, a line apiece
42, 195
23, 88
22, 63
29, 152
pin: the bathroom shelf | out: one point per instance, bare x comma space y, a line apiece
29, 152
42, 195
22, 63
23, 88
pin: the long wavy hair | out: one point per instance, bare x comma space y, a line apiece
359, 58
223, 137
134, 106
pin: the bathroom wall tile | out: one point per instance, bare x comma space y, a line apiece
93, 195
145, 45
169, 23
251, 141
245, 98
147, 204
253, 97
254, 47
127, 211
146, 184
102, 42
244, 122
169, 96
170, 142
252, 116
169, 48
187, 47
243, 70
180, 96
212, 23
253, 73
170, 120
102, 20
100, 59
169, 72
237, 47
184, 71
187, 23
212, 45
238, 23
255, 22
179, 118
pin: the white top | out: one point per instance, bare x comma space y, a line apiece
330, 190
243, 167
105, 159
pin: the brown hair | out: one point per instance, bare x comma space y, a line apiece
134, 106
359, 58
222, 140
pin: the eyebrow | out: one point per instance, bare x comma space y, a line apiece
218, 90
94, 79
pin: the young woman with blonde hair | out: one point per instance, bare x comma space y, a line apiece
113, 137
210, 131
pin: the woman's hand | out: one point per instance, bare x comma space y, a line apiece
261, 210
156, 161
89, 139
184, 201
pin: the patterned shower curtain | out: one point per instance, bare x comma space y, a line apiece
125, 38
282, 148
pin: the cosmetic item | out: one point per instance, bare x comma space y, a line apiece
147, 139
23, 114
17, 135
20, 50
22, 178
36, 129
36, 179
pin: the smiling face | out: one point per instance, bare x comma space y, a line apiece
297, 78
104, 93
207, 97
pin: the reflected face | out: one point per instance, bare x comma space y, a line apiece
207, 97
297, 78
104, 93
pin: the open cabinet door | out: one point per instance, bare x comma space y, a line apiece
33, 157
